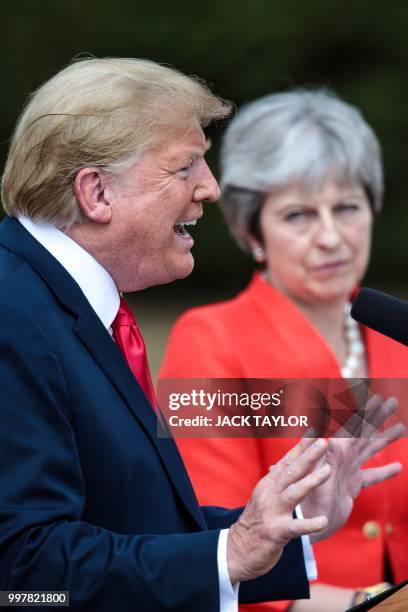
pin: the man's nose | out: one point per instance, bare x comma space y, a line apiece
207, 189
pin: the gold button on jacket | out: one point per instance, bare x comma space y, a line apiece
371, 529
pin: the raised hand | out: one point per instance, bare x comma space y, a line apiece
256, 540
345, 456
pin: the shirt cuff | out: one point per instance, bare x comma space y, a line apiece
310, 561
228, 592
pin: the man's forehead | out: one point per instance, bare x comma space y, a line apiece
187, 144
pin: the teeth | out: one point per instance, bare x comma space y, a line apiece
192, 222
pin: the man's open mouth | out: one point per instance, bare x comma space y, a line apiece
180, 229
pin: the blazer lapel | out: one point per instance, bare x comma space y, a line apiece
104, 351
111, 361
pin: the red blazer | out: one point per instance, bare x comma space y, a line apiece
261, 334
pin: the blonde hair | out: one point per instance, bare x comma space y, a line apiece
95, 112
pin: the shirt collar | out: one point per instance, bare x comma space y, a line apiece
95, 282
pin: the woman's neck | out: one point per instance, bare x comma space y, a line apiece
341, 333
333, 322
329, 320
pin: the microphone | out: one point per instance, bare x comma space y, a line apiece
383, 313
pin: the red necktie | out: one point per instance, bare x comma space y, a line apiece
129, 339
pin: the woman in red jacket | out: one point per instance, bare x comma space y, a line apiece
301, 184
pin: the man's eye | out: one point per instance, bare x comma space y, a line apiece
186, 166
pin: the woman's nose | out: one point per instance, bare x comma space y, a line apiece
328, 234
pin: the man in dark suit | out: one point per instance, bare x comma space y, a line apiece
105, 168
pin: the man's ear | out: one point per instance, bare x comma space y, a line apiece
92, 196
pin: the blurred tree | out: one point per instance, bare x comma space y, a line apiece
244, 50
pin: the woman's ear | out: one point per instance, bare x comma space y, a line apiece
256, 249
93, 198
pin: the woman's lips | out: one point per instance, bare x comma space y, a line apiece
331, 267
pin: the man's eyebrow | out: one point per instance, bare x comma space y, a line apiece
194, 152
198, 151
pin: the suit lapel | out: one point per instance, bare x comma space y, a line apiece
110, 359
104, 351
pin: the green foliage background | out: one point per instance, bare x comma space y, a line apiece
244, 49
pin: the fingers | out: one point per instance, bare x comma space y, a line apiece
299, 527
380, 441
367, 421
296, 492
296, 451
295, 466
353, 426
378, 412
373, 476
311, 433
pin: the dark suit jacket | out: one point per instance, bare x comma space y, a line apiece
91, 500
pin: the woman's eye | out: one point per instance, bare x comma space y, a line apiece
347, 207
298, 215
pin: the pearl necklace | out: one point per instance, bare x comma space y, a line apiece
355, 346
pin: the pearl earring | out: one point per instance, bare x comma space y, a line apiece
258, 254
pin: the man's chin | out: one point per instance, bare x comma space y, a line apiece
162, 277
185, 270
